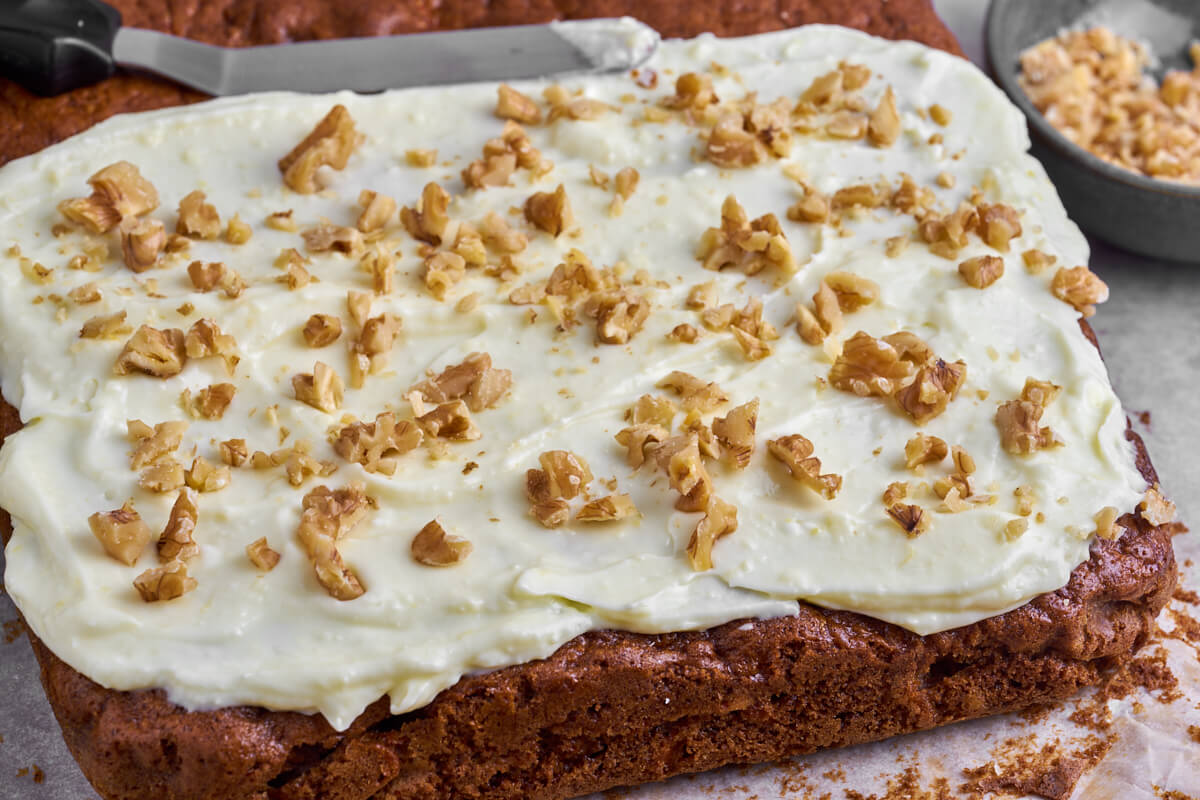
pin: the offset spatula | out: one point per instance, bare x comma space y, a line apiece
53, 46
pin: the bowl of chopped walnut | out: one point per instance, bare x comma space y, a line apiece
1111, 89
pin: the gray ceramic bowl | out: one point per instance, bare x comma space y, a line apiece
1155, 218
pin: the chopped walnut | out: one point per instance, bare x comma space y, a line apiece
85, 294
1036, 262
627, 182
299, 465
122, 533
167, 582
981, 271
322, 330
847, 124
433, 547
204, 476
205, 339
142, 241
359, 306
1019, 432
550, 211
162, 477
638, 438
238, 232
502, 156
998, 225
912, 519
934, 386
282, 221
566, 473
923, 449
159, 353
377, 445
511, 104
656, 410
329, 144
234, 452
442, 271
261, 555
731, 145
1025, 499
752, 347
197, 218
852, 291
869, 366
685, 334
428, 221
206, 276
322, 388
861, 195
118, 191
328, 516
811, 330
686, 471
1106, 523
1079, 287
377, 209
694, 392
750, 246
940, 114
1155, 508
420, 157
153, 444
1015, 528
338, 238
609, 508
812, 207
550, 511
894, 493
450, 420
370, 352
692, 91
469, 244
796, 453
883, 129
735, 432
947, 235
619, 314
105, 326
500, 236
474, 379
176, 542
702, 295
211, 402
720, 519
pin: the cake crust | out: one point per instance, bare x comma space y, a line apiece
608, 708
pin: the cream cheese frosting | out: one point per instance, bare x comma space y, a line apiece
278, 640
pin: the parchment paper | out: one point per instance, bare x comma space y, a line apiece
1150, 334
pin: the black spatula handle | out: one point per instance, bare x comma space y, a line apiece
53, 46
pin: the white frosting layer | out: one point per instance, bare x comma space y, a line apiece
278, 640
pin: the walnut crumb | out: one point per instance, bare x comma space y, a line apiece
693, 392
162, 477
442, 271
1107, 526
609, 508
735, 433
330, 144
105, 326
930, 392
451, 421
282, 221
206, 276
261, 555
719, 520
796, 453
420, 157
686, 334
912, 519
923, 449
322, 388
176, 542
550, 211
122, 533
433, 547
1018, 419
238, 232
883, 127
159, 353
894, 493
511, 104
474, 380
333, 238
1080, 288
234, 452
204, 476
142, 242
566, 473
197, 217
1155, 508
377, 209
327, 516
377, 445
1037, 262
619, 314
1015, 528
322, 330
745, 245
167, 582
981, 271
118, 191
638, 438
205, 339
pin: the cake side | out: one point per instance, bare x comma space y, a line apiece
32, 123
613, 708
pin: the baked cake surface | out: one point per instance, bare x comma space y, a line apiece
405, 756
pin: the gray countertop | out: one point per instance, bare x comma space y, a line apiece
1150, 334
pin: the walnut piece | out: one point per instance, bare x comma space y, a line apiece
550, 511
322, 388
1106, 523
638, 438
204, 476
377, 209
511, 104
333, 238
142, 241
684, 333
869, 366
1079, 287
745, 245
197, 218
894, 493
261, 555
122, 533
162, 477
238, 231
502, 156
619, 314
1155, 508
329, 144
150, 351
427, 222
609, 508
105, 326
213, 401
796, 453
370, 352
922, 449
433, 547
912, 519
381, 265
442, 271
1018, 419
550, 211
981, 271
735, 433
322, 330
234, 452
998, 225
1015, 528
694, 393
498, 235
153, 444
474, 379
566, 473
451, 421
931, 391
167, 582
1037, 262
687, 473
206, 276
205, 339
328, 516
377, 445
118, 191
720, 519
176, 542
693, 90
883, 128
852, 291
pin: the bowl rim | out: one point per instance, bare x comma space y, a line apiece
1005, 76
